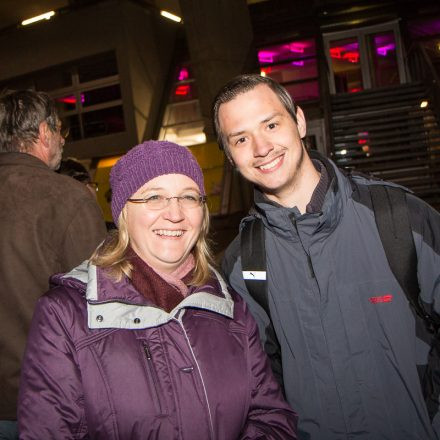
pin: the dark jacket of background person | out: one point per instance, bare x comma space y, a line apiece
196, 373
49, 223
350, 351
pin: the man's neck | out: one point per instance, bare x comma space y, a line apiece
38, 152
300, 192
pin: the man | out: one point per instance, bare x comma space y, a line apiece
73, 168
350, 354
49, 223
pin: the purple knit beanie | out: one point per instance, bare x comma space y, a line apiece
145, 162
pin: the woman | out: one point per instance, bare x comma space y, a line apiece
145, 341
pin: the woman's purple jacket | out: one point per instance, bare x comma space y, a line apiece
104, 363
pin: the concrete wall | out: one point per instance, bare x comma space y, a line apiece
143, 43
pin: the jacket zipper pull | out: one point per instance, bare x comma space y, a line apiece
147, 351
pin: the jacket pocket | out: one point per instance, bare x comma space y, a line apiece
152, 379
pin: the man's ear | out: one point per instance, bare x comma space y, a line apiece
44, 133
301, 122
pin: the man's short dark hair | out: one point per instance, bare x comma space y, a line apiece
21, 113
242, 84
73, 168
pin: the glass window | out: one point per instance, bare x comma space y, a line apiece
182, 121
105, 121
182, 112
183, 92
98, 67
384, 70
183, 73
346, 65
189, 133
293, 71
424, 27
293, 64
303, 91
98, 96
66, 103
287, 51
75, 101
73, 125
53, 79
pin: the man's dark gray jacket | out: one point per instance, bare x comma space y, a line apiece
351, 358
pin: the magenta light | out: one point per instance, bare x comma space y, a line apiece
265, 56
297, 47
183, 74
383, 50
298, 63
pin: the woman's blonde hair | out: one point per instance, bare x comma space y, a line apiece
112, 254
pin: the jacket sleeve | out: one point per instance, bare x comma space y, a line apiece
84, 233
269, 416
232, 272
50, 396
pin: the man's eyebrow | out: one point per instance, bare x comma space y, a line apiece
264, 121
270, 117
236, 133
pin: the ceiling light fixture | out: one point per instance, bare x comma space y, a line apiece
170, 16
45, 16
424, 104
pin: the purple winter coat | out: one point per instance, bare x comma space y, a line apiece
104, 363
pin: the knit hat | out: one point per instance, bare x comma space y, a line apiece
145, 162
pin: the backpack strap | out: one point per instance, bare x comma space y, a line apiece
253, 264
253, 261
392, 220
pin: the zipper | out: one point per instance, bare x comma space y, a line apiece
309, 260
211, 425
153, 376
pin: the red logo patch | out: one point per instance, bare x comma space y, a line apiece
381, 299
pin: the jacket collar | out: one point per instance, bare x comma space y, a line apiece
113, 304
13, 158
279, 219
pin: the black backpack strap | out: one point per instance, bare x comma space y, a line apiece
253, 261
392, 220
253, 264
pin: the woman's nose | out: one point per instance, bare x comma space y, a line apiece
173, 211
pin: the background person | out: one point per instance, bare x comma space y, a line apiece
350, 359
146, 341
48, 223
73, 168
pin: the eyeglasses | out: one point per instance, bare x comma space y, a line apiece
157, 202
64, 132
93, 185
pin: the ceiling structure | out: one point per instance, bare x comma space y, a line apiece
13, 12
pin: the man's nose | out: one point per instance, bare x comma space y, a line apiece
262, 146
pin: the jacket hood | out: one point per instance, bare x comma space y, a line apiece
112, 304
